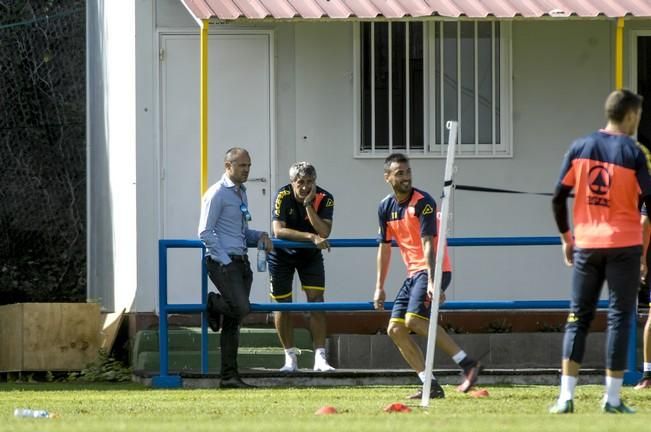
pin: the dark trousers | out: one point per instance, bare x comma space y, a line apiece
234, 283
620, 267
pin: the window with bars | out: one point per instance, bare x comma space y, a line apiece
413, 77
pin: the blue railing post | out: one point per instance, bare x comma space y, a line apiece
164, 380
204, 313
632, 374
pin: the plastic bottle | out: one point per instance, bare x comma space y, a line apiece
262, 259
31, 413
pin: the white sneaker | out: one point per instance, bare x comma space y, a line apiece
291, 362
320, 361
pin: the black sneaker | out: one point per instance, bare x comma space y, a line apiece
435, 392
214, 317
470, 375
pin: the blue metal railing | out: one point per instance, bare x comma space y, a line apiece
164, 380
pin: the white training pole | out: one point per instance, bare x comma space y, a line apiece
438, 267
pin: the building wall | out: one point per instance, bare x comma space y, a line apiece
561, 73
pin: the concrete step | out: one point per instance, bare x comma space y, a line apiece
189, 338
248, 357
259, 347
496, 350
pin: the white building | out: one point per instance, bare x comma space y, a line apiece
317, 80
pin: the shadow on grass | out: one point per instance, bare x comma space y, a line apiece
67, 386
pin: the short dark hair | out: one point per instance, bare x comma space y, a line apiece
394, 157
233, 152
621, 102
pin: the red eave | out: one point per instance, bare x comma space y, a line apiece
365, 9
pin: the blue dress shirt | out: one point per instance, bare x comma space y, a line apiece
223, 226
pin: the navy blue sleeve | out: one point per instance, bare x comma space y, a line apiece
326, 206
281, 205
382, 235
425, 210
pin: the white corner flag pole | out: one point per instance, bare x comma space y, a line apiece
438, 267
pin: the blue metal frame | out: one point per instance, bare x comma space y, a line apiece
165, 380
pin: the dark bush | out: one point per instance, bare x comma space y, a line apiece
42, 151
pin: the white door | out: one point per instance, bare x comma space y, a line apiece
239, 112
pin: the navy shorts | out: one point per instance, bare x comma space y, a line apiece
281, 273
412, 295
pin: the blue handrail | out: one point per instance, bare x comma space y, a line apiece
164, 380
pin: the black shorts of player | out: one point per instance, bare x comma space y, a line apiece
308, 264
412, 295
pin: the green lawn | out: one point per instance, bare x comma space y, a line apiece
130, 407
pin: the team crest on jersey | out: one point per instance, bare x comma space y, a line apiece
428, 210
330, 203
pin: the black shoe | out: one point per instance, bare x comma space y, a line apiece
470, 375
214, 317
234, 383
435, 392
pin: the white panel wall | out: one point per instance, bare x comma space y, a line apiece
561, 74
112, 155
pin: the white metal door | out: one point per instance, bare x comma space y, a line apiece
239, 108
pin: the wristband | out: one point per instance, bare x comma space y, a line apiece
308, 204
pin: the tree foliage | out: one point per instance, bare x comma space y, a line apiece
42, 151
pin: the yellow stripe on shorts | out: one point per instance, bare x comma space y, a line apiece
283, 296
314, 288
418, 316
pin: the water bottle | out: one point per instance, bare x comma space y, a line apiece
262, 259
26, 412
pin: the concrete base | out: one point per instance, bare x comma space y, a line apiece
355, 377
499, 351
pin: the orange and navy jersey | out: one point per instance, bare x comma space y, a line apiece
407, 222
608, 173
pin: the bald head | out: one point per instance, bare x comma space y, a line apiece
234, 153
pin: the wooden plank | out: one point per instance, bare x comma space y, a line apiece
60, 336
11, 338
111, 323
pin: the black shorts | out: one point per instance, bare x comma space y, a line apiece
308, 264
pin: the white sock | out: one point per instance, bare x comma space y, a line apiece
613, 387
568, 385
290, 354
647, 367
458, 357
421, 375
319, 353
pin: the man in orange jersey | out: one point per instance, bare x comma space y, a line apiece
608, 172
409, 217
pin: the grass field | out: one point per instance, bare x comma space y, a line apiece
131, 407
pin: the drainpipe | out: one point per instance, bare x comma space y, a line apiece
203, 105
619, 54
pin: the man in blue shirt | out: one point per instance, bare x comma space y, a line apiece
224, 230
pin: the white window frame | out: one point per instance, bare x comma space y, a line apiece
503, 149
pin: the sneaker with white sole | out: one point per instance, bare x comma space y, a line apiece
291, 361
645, 383
562, 407
616, 409
320, 361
